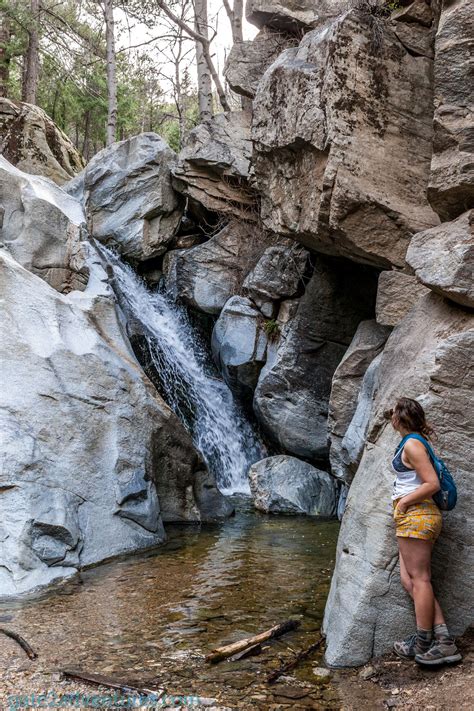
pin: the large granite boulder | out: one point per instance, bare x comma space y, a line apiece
291, 398
213, 166
292, 15
397, 292
368, 341
329, 117
443, 259
92, 459
30, 140
428, 357
451, 184
43, 228
207, 275
239, 345
286, 485
247, 61
127, 194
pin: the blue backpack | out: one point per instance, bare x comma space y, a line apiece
447, 496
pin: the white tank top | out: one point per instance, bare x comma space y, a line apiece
407, 480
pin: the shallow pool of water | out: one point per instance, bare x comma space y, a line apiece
152, 617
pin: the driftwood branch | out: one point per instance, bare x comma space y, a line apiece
229, 650
19, 640
99, 680
294, 662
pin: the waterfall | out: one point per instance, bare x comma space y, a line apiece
202, 401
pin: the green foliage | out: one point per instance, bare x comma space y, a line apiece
272, 329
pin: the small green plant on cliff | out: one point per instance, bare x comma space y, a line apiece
272, 329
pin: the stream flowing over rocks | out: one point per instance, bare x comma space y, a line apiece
238, 316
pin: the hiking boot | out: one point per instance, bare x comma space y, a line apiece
406, 649
442, 651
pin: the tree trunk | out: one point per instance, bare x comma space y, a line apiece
111, 71
235, 16
85, 144
31, 62
4, 54
203, 71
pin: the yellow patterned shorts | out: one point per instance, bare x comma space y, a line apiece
422, 520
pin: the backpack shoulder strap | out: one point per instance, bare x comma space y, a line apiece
420, 438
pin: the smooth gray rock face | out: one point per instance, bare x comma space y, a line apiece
397, 292
207, 275
329, 116
92, 459
346, 453
443, 259
43, 228
428, 357
32, 142
239, 345
277, 274
367, 343
292, 14
286, 485
247, 61
451, 184
127, 193
291, 398
213, 166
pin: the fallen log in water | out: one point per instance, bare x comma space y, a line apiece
19, 640
294, 662
229, 650
99, 680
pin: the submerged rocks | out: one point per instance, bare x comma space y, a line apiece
213, 166
291, 398
32, 142
287, 485
430, 354
329, 116
43, 228
443, 259
451, 184
127, 194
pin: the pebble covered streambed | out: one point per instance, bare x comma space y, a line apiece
151, 618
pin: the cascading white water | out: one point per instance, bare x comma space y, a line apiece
204, 403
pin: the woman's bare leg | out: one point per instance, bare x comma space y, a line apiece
416, 556
408, 585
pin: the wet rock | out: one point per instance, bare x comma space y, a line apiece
247, 61
367, 343
213, 166
43, 228
239, 345
320, 155
32, 142
451, 184
431, 353
207, 275
127, 194
287, 485
291, 398
87, 441
443, 259
291, 14
397, 292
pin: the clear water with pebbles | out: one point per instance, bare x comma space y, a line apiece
191, 387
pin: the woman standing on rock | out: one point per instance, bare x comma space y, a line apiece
418, 523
